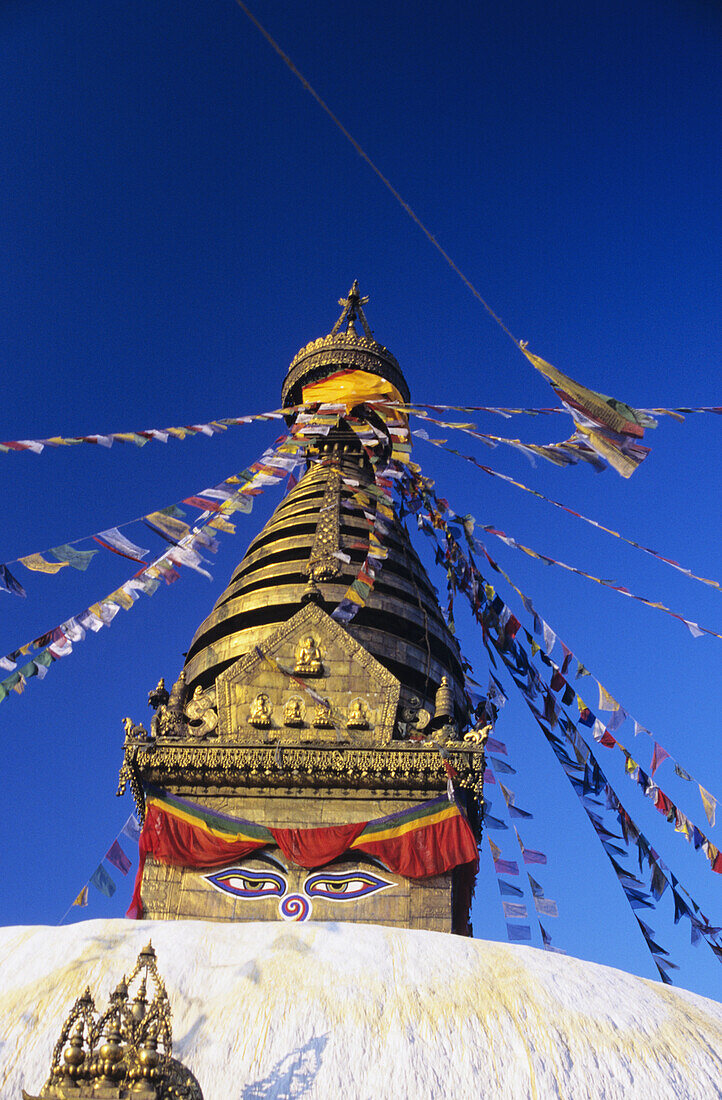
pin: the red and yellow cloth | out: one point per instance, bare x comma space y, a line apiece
428, 839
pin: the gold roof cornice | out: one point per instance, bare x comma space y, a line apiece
416, 767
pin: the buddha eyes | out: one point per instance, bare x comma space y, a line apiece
244, 883
344, 885
350, 885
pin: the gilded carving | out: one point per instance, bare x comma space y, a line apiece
308, 658
201, 713
322, 717
308, 641
261, 712
293, 712
358, 718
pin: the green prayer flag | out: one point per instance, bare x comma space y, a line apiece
79, 559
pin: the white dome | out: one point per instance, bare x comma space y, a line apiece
356, 1011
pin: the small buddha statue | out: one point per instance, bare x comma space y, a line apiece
261, 712
357, 716
293, 712
322, 718
308, 658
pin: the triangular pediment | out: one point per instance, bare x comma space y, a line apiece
307, 682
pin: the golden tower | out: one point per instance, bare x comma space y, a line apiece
310, 761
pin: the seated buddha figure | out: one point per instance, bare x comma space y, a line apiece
260, 715
308, 658
322, 717
293, 712
358, 718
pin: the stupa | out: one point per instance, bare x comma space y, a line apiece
316, 762
310, 761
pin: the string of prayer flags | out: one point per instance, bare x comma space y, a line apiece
215, 427
694, 628
582, 769
58, 642
611, 428
117, 857
601, 732
578, 515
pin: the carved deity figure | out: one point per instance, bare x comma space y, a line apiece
261, 712
358, 718
293, 712
322, 719
201, 713
308, 658
133, 732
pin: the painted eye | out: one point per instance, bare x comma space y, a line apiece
244, 883
344, 885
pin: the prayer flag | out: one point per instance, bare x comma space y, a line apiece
536, 889
532, 856
658, 756
118, 858
38, 564
546, 907
494, 822
82, 898
609, 427
113, 540
517, 932
513, 909
102, 881
501, 766
79, 559
508, 889
9, 583
710, 805
506, 867
131, 829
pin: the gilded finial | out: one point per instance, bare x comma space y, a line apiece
353, 309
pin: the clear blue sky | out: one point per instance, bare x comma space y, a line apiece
177, 217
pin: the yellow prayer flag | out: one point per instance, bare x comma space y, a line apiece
122, 598
495, 849
221, 524
710, 805
351, 387
38, 564
606, 702
630, 764
82, 898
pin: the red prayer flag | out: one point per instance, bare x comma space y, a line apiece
658, 756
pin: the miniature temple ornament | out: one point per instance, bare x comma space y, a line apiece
125, 1052
298, 729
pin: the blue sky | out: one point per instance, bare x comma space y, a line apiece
177, 217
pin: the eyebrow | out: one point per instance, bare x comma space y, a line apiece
264, 857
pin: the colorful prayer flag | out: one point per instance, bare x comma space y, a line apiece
710, 804
131, 829
38, 564
79, 559
82, 898
118, 858
518, 932
102, 881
